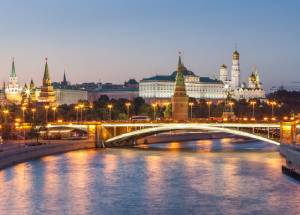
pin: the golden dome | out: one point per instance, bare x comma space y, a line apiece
235, 55
223, 66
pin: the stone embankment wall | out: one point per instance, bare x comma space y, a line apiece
29, 152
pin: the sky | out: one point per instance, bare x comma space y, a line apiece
114, 40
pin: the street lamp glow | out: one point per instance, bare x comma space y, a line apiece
110, 106
209, 104
54, 111
128, 104
191, 104
154, 105
46, 111
33, 110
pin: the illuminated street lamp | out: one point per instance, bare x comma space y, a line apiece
191, 104
272, 104
231, 106
46, 112
253, 103
76, 108
33, 110
128, 104
81, 106
54, 111
154, 106
5, 113
209, 104
109, 106
23, 113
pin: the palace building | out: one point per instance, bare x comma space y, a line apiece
161, 87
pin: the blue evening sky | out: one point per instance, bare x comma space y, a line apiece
114, 40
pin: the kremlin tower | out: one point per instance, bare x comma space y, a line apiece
13, 90
180, 99
47, 94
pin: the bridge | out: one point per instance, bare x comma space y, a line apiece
108, 134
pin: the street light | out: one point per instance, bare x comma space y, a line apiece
5, 112
191, 104
54, 111
33, 110
231, 106
128, 104
76, 108
109, 106
46, 111
272, 104
81, 106
23, 113
209, 104
253, 103
154, 105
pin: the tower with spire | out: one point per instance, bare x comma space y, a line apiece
47, 94
180, 98
13, 90
235, 70
64, 83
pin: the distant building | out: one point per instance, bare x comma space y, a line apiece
13, 90
69, 96
128, 91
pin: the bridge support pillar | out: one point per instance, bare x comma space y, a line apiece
288, 132
99, 143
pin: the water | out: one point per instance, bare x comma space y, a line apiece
237, 179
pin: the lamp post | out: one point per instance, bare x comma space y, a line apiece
128, 104
272, 103
5, 112
209, 105
76, 108
23, 113
154, 106
46, 112
253, 103
109, 106
54, 111
231, 106
191, 104
33, 110
81, 106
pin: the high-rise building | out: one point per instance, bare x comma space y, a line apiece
235, 70
13, 91
180, 99
47, 94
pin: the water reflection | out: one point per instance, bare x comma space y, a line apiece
171, 178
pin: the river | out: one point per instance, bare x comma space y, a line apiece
196, 177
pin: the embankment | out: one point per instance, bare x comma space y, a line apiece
27, 152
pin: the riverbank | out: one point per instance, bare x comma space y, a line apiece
14, 153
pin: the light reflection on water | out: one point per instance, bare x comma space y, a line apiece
171, 178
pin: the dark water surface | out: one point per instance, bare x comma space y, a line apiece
198, 177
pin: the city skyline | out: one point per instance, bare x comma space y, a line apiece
102, 41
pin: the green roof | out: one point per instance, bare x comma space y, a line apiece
13, 70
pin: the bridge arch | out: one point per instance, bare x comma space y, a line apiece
173, 127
